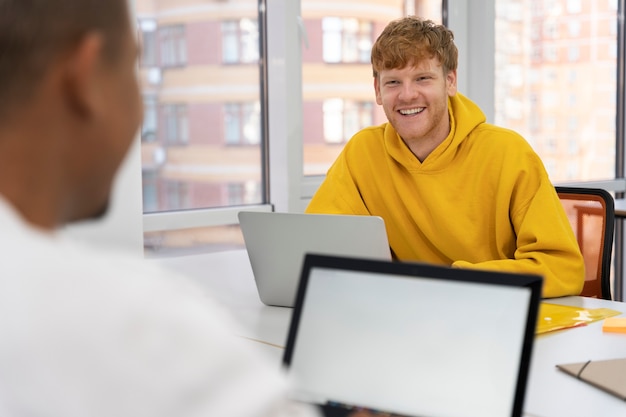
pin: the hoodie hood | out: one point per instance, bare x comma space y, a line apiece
465, 116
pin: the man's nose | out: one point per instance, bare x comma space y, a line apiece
409, 91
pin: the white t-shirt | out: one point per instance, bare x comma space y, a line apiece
88, 333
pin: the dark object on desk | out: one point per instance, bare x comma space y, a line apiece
406, 337
591, 212
340, 410
608, 375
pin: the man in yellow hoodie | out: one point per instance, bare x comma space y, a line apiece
451, 188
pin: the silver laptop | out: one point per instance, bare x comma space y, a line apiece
411, 339
277, 242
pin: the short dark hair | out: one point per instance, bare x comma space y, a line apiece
35, 32
411, 39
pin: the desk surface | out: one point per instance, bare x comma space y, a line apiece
550, 393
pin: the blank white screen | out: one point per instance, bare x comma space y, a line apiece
409, 346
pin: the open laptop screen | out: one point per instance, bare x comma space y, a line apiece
277, 243
411, 339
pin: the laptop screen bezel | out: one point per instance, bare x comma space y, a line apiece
422, 270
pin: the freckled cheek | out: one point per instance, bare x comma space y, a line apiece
390, 101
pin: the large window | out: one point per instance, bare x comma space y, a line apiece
557, 86
200, 69
204, 141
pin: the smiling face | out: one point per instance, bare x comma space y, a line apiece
415, 101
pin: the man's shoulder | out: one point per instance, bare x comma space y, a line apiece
493, 135
370, 136
372, 132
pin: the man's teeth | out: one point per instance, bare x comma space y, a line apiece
411, 111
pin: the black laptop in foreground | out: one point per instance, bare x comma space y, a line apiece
411, 339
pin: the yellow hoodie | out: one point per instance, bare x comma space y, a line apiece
482, 199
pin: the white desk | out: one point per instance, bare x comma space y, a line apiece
550, 392
227, 277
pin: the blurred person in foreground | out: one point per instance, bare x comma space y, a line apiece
451, 188
87, 333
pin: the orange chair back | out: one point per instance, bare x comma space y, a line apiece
591, 213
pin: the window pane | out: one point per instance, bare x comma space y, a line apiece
556, 85
201, 135
338, 93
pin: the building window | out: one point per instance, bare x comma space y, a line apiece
175, 124
551, 29
240, 41
574, 6
343, 118
535, 33
574, 28
550, 75
537, 53
572, 146
572, 123
242, 123
551, 145
550, 99
550, 53
573, 170
346, 40
173, 46
150, 191
572, 76
150, 120
177, 194
613, 49
573, 53
148, 41
242, 193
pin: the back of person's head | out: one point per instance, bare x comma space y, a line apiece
411, 39
33, 33
69, 105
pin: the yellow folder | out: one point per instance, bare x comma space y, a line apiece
556, 317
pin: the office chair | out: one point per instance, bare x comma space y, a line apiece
591, 213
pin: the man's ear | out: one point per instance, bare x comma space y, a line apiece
451, 86
81, 72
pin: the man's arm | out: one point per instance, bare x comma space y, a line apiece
546, 246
